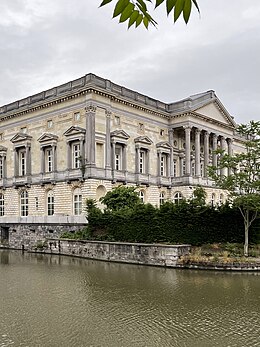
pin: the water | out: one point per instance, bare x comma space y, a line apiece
62, 301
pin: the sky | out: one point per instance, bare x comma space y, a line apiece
44, 43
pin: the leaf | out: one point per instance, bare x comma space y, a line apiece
139, 20
133, 18
196, 4
169, 5
187, 10
104, 2
127, 12
142, 4
146, 22
120, 6
158, 3
178, 9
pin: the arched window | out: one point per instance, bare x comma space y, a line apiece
141, 195
50, 203
162, 198
177, 197
221, 199
24, 203
77, 201
2, 205
213, 199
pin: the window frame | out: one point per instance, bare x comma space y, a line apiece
24, 203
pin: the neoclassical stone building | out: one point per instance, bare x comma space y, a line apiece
82, 138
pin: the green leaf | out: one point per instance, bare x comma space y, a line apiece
158, 3
142, 5
139, 20
127, 12
169, 5
146, 22
133, 18
187, 10
178, 9
104, 2
120, 6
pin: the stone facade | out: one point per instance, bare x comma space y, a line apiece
82, 138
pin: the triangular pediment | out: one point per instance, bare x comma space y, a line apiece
19, 137
164, 145
48, 137
120, 134
74, 130
144, 140
215, 111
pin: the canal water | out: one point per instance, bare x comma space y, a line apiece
61, 301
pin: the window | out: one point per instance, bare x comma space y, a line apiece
163, 165
177, 198
213, 199
36, 203
142, 162
118, 158
192, 168
24, 203
162, 132
77, 116
50, 203
1, 167
184, 167
202, 169
117, 120
24, 130
141, 195
174, 168
221, 199
49, 124
162, 198
77, 202
49, 160
141, 126
22, 162
76, 156
2, 205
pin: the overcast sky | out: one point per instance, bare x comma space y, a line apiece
44, 43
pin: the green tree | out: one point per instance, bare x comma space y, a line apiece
243, 180
136, 11
121, 197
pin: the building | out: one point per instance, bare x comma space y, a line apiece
82, 138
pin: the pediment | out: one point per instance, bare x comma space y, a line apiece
48, 137
19, 137
121, 134
74, 130
164, 145
143, 140
215, 111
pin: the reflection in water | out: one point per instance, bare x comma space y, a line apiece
63, 301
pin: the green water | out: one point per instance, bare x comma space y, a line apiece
63, 301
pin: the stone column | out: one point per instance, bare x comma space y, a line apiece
113, 155
16, 163
224, 148
171, 132
214, 148
69, 155
137, 158
147, 162
54, 151
28, 159
230, 152
206, 153
90, 134
42, 160
187, 149
108, 140
124, 161
197, 152
159, 163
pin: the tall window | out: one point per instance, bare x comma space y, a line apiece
213, 199
141, 195
77, 202
192, 168
184, 167
174, 168
24, 203
162, 198
2, 205
163, 165
142, 162
22, 163
1, 167
48, 160
50, 203
177, 197
221, 199
118, 158
76, 156
202, 169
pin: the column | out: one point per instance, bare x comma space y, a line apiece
90, 134
159, 158
230, 152
42, 160
28, 159
197, 152
147, 162
16, 163
214, 148
54, 151
124, 157
113, 155
171, 132
69, 155
187, 149
206, 153
108, 140
137, 160
224, 148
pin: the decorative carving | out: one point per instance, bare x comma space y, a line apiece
90, 108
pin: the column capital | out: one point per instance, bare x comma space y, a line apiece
198, 130
187, 127
108, 113
90, 108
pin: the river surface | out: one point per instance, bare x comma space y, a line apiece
61, 301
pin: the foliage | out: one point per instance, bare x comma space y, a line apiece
243, 180
121, 197
199, 196
136, 11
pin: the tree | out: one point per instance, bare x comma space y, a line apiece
243, 180
121, 197
136, 12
